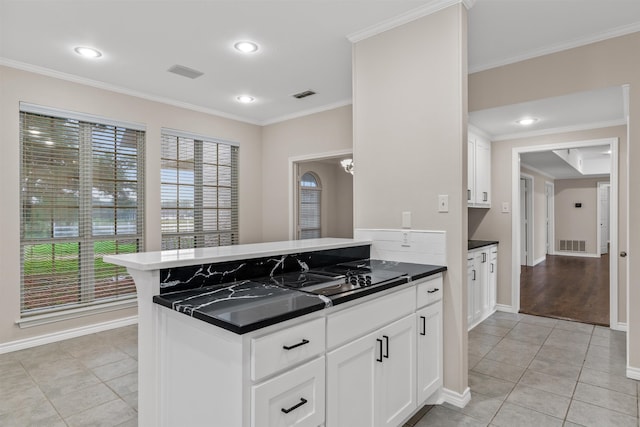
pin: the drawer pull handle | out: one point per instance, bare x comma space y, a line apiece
379, 359
291, 347
433, 291
424, 325
296, 406
386, 340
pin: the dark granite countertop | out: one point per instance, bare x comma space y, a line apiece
245, 306
475, 244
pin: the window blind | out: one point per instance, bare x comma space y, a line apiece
199, 180
309, 197
82, 197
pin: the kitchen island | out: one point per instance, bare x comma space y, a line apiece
253, 335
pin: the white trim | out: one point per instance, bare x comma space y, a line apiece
515, 219
577, 254
82, 117
64, 335
531, 210
625, 97
456, 399
479, 132
594, 38
505, 308
404, 18
562, 129
191, 135
75, 313
599, 186
551, 221
538, 171
633, 373
113, 88
619, 326
539, 260
307, 112
293, 185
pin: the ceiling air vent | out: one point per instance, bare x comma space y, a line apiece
303, 94
183, 71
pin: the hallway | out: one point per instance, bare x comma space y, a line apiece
566, 287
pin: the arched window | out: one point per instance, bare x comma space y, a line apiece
309, 196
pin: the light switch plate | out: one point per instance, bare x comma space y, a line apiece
505, 207
443, 203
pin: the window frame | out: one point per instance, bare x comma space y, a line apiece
317, 191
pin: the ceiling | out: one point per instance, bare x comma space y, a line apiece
554, 166
303, 44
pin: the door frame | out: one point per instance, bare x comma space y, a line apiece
530, 259
293, 181
550, 194
613, 215
601, 184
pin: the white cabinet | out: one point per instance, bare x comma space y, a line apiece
429, 345
478, 171
372, 380
481, 283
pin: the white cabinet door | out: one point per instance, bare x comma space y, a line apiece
397, 391
429, 346
478, 285
471, 169
472, 275
483, 274
351, 382
493, 277
483, 172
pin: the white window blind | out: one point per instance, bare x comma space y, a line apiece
309, 197
82, 198
199, 179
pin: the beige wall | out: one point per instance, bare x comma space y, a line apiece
539, 214
496, 225
577, 223
17, 86
309, 136
410, 146
336, 205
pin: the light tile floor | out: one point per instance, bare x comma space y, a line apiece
524, 371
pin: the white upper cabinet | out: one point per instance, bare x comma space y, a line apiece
479, 171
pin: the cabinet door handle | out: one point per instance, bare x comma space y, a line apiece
296, 406
379, 358
484, 257
485, 196
424, 325
386, 343
433, 291
491, 268
474, 275
291, 347
468, 194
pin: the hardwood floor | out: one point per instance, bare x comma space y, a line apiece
565, 287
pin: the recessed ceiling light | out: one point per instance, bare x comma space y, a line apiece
246, 47
527, 121
88, 52
245, 99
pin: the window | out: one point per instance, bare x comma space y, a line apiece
199, 179
310, 193
82, 198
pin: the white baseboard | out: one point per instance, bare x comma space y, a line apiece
620, 326
539, 260
579, 254
64, 335
456, 399
505, 308
633, 373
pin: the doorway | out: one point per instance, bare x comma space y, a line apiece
519, 210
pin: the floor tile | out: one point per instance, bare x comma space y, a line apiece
116, 369
589, 415
538, 320
131, 399
609, 399
522, 359
553, 353
568, 325
25, 397
125, 384
538, 400
489, 386
473, 360
605, 364
618, 355
35, 414
445, 417
83, 399
503, 323
527, 332
108, 414
499, 370
611, 382
102, 356
550, 383
511, 415
555, 368
498, 331
65, 385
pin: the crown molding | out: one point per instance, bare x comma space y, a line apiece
536, 170
411, 15
473, 128
113, 88
564, 129
594, 38
308, 112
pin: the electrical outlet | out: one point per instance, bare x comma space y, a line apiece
443, 203
406, 239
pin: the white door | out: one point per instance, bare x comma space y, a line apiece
604, 191
397, 390
523, 222
351, 382
472, 275
429, 346
549, 195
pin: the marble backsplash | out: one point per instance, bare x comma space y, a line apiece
196, 276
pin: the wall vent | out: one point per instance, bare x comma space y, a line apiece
304, 94
573, 246
183, 71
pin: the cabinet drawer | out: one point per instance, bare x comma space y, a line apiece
429, 291
279, 350
356, 321
295, 398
